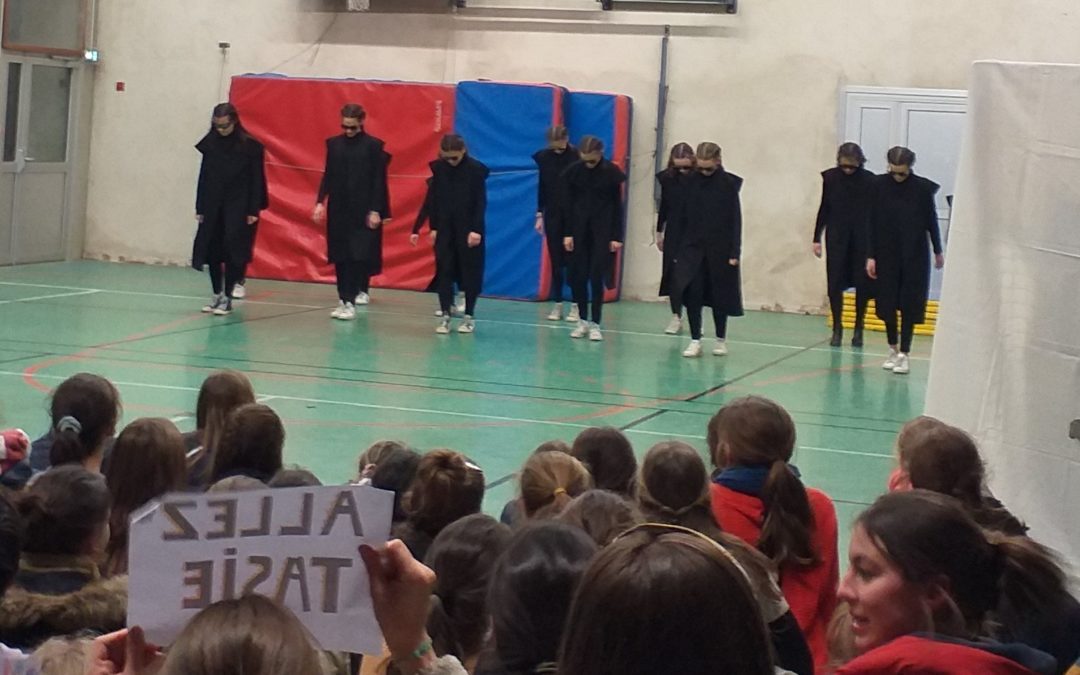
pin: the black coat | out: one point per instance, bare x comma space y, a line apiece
901, 218
456, 202
232, 186
671, 219
593, 216
712, 237
355, 182
844, 218
549, 197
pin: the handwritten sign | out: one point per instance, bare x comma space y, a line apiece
297, 545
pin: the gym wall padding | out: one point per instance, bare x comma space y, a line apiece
608, 117
293, 117
504, 125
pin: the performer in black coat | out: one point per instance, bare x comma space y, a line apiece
843, 217
593, 230
354, 185
230, 194
455, 206
553, 161
706, 267
903, 227
670, 221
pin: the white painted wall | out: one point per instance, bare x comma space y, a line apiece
763, 83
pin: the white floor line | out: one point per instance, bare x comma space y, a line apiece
51, 296
368, 310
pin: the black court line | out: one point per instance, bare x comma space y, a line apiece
718, 387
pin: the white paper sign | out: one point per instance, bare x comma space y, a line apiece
296, 545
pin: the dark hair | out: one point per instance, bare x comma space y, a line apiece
252, 444
462, 557
754, 431
656, 582
851, 151
220, 394
601, 514
85, 409
532, 586
376, 453
900, 156
354, 111
928, 535
555, 445
230, 111
452, 143
294, 477
549, 481
674, 488
607, 454
62, 509
447, 487
558, 133
590, 144
147, 461
11, 541
679, 151
396, 473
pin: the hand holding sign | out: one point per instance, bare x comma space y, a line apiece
401, 593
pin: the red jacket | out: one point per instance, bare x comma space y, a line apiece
811, 591
940, 656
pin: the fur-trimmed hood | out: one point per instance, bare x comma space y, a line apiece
27, 619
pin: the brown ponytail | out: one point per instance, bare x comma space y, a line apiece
84, 409
754, 431
1032, 580
549, 481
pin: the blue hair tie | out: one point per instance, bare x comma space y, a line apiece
69, 423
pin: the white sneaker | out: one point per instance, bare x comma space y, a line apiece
594, 333
902, 367
336, 314
348, 312
224, 307
460, 307
720, 348
363, 298
890, 362
215, 300
444, 326
675, 326
556, 312
439, 312
467, 325
574, 316
239, 292
581, 330
693, 350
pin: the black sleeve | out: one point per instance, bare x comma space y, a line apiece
541, 190
872, 223
789, 643
736, 223
378, 181
258, 195
200, 189
324, 185
480, 203
425, 210
617, 233
386, 213
932, 223
823, 212
662, 211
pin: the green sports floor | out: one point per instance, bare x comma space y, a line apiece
495, 395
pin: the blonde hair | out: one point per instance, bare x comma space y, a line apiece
549, 481
61, 656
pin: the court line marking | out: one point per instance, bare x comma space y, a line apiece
51, 296
368, 310
187, 416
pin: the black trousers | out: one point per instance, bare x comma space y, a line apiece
907, 331
232, 274
836, 303
352, 277
446, 296
694, 297
589, 285
558, 257
676, 305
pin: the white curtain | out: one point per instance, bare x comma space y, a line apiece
1006, 356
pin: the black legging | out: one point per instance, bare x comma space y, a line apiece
446, 296
676, 304
836, 302
590, 286
233, 274
557, 255
907, 330
694, 297
350, 279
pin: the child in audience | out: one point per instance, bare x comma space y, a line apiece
758, 496
925, 579
674, 489
12, 661
447, 487
84, 409
396, 473
58, 589
607, 454
549, 481
62, 656
252, 444
370, 459
220, 394
147, 462
294, 476
603, 515
513, 512
899, 478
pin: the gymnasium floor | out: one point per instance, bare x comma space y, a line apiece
494, 395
